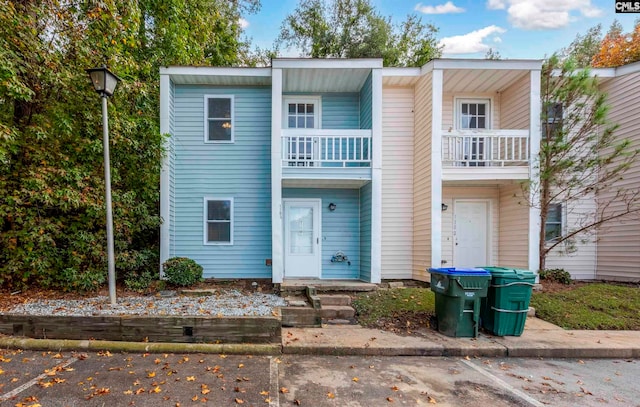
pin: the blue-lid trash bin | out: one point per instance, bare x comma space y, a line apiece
504, 310
458, 294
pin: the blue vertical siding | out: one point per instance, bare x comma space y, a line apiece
340, 228
172, 171
241, 170
365, 104
365, 232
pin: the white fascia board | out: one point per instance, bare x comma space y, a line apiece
488, 64
313, 63
627, 69
402, 72
214, 71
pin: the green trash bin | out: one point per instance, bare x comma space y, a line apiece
458, 293
504, 310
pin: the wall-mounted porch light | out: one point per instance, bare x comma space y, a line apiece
332, 207
445, 207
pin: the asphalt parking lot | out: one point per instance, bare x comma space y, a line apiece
30, 378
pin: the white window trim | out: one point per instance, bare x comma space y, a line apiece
206, 119
458, 100
206, 221
563, 223
315, 100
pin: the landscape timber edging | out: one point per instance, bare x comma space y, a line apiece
143, 328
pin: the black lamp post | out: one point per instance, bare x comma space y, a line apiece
104, 82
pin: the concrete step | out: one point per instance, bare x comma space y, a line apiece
337, 312
300, 317
337, 299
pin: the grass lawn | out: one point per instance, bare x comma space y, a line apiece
591, 306
394, 303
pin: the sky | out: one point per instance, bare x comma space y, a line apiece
516, 29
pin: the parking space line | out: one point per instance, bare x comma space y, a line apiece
504, 384
33, 381
274, 392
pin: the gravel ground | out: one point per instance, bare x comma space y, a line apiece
221, 303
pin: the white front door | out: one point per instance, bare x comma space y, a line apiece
471, 237
302, 238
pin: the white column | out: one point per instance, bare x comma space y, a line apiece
436, 168
277, 243
376, 176
534, 148
165, 95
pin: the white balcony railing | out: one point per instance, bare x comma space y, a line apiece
490, 148
326, 148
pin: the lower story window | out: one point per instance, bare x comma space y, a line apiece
553, 226
218, 228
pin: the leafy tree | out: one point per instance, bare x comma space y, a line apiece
52, 217
492, 54
354, 29
584, 47
580, 158
618, 48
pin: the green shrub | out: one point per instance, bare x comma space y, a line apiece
556, 275
140, 281
88, 280
182, 271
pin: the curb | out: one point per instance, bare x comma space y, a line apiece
144, 347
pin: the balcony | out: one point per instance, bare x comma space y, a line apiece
326, 154
485, 154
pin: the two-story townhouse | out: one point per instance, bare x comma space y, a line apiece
459, 138
343, 169
274, 172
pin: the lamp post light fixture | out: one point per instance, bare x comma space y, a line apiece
104, 82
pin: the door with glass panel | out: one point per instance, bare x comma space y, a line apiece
474, 114
302, 238
301, 146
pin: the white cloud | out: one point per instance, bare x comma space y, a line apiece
472, 42
243, 23
544, 14
446, 8
496, 5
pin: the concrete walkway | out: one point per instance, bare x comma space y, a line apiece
540, 339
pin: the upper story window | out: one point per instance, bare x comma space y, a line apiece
473, 114
218, 120
218, 225
552, 121
302, 113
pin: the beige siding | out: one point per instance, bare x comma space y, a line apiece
514, 228
514, 101
397, 182
577, 256
422, 179
448, 107
619, 241
449, 195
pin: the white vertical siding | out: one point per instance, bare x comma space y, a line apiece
513, 242
449, 195
619, 241
397, 182
514, 102
422, 178
578, 256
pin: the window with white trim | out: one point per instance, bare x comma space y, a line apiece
302, 113
218, 126
552, 122
473, 114
553, 225
218, 216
